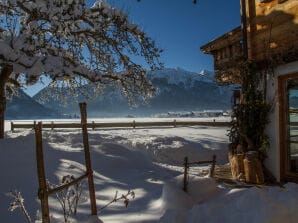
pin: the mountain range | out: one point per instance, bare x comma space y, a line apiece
176, 90
22, 106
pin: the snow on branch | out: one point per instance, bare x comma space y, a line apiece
66, 39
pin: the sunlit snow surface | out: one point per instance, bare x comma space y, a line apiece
147, 161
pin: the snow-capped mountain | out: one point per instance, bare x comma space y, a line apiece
180, 76
176, 90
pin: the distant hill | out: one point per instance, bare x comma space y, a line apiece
176, 90
22, 106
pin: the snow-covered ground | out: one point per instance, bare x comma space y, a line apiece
147, 161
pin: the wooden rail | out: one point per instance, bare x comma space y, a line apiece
63, 186
133, 124
187, 165
44, 191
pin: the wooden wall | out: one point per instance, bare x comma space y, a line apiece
272, 28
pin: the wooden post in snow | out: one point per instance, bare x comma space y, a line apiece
42, 191
212, 166
88, 158
185, 174
11, 126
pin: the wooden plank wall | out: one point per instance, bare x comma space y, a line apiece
272, 28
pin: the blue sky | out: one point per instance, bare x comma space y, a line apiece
180, 27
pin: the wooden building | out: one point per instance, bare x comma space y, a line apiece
269, 38
227, 52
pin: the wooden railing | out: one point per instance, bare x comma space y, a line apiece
133, 124
44, 191
188, 164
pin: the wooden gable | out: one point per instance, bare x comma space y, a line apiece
228, 54
272, 36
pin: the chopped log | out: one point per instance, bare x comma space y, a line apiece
236, 163
253, 168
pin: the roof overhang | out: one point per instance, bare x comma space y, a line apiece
226, 39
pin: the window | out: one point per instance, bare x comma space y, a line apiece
292, 125
288, 127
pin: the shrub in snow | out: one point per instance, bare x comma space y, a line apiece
124, 197
69, 197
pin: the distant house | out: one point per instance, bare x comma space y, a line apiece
270, 39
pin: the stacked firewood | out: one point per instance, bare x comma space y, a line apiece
246, 166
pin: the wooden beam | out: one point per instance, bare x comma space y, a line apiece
88, 158
74, 181
42, 191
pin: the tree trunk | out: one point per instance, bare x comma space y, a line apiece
5, 73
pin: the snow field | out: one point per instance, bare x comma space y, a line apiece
147, 161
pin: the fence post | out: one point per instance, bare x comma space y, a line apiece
185, 181
52, 125
42, 191
212, 166
88, 158
11, 126
93, 125
134, 124
34, 124
175, 123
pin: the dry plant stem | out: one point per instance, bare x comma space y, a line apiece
19, 202
78, 193
62, 199
116, 198
69, 197
24, 211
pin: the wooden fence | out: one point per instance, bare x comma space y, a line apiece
93, 125
44, 191
188, 164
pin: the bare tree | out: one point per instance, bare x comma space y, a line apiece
69, 41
